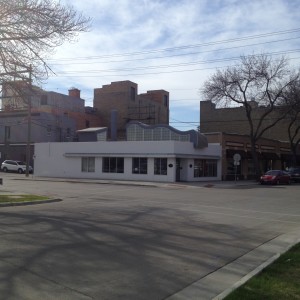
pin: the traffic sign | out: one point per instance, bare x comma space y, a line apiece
237, 157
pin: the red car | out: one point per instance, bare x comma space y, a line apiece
276, 177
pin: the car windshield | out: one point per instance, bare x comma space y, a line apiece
294, 169
21, 163
273, 173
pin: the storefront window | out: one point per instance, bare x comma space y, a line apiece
113, 165
160, 166
88, 164
139, 165
205, 168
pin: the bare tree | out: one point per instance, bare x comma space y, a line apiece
29, 32
292, 102
258, 81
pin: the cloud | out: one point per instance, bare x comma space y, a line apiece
128, 41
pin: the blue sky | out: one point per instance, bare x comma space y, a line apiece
172, 45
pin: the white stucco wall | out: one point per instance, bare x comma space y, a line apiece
64, 159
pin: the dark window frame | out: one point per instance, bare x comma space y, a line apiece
113, 164
132, 93
139, 165
205, 168
160, 166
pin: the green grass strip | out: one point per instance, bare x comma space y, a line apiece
21, 198
280, 280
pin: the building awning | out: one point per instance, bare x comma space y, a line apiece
230, 153
248, 154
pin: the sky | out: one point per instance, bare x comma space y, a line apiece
174, 45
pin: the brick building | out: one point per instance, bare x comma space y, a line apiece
122, 97
272, 154
234, 120
54, 117
229, 128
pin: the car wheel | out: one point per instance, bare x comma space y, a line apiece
20, 171
4, 169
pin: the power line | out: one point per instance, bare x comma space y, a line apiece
173, 55
188, 46
156, 73
235, 58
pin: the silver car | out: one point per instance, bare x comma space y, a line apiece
14, 166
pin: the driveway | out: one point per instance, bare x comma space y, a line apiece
111, 241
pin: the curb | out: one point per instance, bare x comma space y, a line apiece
256, 271
247, 277
6, 204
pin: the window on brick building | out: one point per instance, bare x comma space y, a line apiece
165, 100
44, 100
7, 133
68, 133
132, 94
205, 168
49, 130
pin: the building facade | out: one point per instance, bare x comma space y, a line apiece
272, 154
151, 153
234, 120
122, 97
230, 128
53, 117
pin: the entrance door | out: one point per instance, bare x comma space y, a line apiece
178, 168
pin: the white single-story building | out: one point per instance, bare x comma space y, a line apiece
150, 153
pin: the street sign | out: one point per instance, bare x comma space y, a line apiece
237, 157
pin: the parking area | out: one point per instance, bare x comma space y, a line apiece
126, 241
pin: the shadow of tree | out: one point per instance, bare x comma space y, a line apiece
138, 252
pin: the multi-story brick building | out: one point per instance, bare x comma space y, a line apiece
54, 117
122, 97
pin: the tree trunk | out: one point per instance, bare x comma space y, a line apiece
255, 159
294, 155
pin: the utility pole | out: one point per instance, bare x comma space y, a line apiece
29, 124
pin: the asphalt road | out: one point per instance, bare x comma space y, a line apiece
111, 241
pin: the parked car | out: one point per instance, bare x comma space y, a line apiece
276, 177
14, 166
295, 173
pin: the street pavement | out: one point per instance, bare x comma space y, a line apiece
129, 240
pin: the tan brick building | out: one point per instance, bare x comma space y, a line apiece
123, 99
229, 128
234, 120
272, 154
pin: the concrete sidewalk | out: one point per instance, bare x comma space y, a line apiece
207, 184
217, 285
